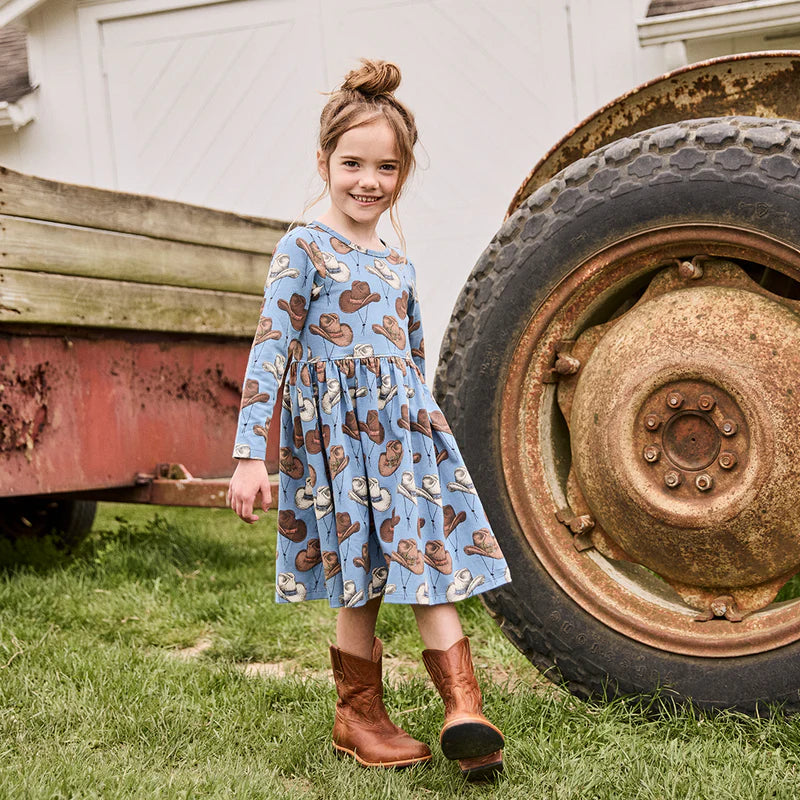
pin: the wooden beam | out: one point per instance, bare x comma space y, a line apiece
38, 198
46, 299
44, 246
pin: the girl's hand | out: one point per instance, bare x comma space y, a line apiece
249, 478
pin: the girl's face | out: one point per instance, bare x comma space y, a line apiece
361, 174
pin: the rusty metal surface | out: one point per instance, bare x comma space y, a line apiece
693, 368
173, 485
85, 411
748, 84
627, 596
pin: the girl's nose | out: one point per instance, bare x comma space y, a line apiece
369, 180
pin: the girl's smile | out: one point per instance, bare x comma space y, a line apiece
361, 174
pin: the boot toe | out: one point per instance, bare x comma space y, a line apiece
482, 768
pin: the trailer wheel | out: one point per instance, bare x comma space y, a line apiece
621, 372
65, 522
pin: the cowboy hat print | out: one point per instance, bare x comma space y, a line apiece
438, 422
363, 350
307, 410
337, 460
422, 595
286, 398
363, 560
367, 491
330, 563
404, 421
261, 430
323, 504
386, 391
372, 427
391, 330
356, 297
326, 264
331, 396
279, 268
314, 441
241, 450
388, 526
441, 455
332, 329
304, 496
419, 351
293, 529
340, 247
297, 433
289, 588
377, 583
401, 305
463, 585
462, 481
484, 544
381, 269
350, 425
350, 597
437, 557
430, 489
422, 425
408, 556
391, 458
347, 366
290, 464
452, 520
309, 558
399, 363
251, 393
356, 391
296, 309
345, 528
264, 331
407, 487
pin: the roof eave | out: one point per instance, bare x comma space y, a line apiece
12, 10
759, 15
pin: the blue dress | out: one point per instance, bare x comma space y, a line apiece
374, 497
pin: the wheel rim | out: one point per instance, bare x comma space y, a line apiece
536, 443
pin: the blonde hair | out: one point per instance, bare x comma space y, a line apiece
366, 94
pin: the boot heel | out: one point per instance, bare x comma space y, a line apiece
470, 739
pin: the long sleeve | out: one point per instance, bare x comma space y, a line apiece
287, 294
415, 335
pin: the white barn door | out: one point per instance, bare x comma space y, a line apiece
200, 99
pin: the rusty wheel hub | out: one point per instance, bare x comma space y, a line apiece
672, 467
683, 437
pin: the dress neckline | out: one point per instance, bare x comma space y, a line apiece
378, 253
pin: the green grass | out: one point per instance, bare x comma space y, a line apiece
104, 694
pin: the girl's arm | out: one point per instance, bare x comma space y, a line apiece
287, 294
415, 335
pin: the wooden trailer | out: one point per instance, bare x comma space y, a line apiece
125, 323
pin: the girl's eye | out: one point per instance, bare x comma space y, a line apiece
389, 167
351, 163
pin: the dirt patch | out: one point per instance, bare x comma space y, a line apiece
188, 653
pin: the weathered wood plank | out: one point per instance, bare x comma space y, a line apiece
41, 298
38, 198
45, 246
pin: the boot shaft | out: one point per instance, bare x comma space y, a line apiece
452, 673
359, 681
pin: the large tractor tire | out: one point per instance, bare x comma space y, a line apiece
27, 520
622, 372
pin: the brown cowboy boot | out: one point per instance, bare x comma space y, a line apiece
362, 728
467, 735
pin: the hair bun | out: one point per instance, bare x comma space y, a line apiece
373, 78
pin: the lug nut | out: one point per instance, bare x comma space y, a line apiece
727, 460
580, 524
704, 482
673, 479
706, 402
689, 270
674, 399
728, 427
651, 454
567, 365
652, 422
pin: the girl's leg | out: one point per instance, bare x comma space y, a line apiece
467, 736
439, 625
355, 628
362, 727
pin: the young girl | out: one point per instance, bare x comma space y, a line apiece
375, 501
